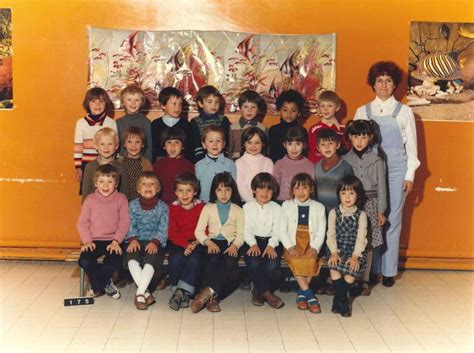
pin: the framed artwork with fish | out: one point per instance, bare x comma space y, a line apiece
231, 61
6, 73
441, 71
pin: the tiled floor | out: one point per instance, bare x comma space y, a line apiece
425, 311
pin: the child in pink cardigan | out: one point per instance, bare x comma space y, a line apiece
254, 142
102, 226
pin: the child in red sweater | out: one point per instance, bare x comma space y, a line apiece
186, 255
329, 105
102, 226
167, 168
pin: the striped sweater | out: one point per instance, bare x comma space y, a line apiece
84, 150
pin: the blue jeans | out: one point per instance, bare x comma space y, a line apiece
187, 269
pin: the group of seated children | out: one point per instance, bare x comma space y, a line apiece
134, 212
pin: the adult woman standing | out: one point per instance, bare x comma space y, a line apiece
398, 140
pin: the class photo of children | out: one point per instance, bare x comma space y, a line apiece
209, 176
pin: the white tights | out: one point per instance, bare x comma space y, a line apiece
142, 277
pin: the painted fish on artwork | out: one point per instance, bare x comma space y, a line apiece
246, 47
466, 30
132, 44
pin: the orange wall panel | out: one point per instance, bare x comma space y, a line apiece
50, 77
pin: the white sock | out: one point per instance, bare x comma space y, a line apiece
135, 271
145, 279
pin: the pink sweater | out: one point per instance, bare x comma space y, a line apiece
284, 171
247, 167
104, 218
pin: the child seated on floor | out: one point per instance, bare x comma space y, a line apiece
102, 226
146, 237
185, 262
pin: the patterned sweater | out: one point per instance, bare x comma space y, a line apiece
148, 225
84, 149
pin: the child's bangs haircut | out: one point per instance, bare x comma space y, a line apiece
253, 97
296, 134
186, 178
359, 128
292, 96
132, 89
213, 128
148, 175
265, 181
134, 131
168, 92
206, 91
249, 134
302, 179
173, 133
351, 182
327, 135
107, 170
329, 96
225, 179
97, 93
106, 132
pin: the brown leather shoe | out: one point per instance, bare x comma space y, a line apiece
257, 299
313, 306
140, 304
213, 305
150, 299
366, 290
301, 302
201, 300
164, 282
274, 301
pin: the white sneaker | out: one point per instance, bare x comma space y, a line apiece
112, 291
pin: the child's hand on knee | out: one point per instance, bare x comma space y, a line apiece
334, 260
232, 250
293, 252
270, 252
114, 247
212, 247
151, 248
88, 247
133, 246
254, 251
311, 252
190, 248
353, 263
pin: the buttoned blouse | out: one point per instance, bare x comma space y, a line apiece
406, 123
262, 221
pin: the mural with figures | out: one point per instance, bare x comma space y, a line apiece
230, 61
441, 70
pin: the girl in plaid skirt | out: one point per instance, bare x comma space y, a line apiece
346, 241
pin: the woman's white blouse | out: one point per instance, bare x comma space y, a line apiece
406, 123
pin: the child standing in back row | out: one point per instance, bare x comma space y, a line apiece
209, 102
96, 103
369, 167
329, 105
291, 106
252, 109
133, 100
294, 162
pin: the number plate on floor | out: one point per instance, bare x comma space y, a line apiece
78, 301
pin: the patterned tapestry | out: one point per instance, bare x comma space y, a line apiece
232, 62
441, 70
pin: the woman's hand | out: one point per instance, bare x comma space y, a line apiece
407, 187
334, 260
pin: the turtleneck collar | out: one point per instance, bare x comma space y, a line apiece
361, 152
148, 204
286, 124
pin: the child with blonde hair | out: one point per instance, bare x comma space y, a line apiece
133, 100
106, 143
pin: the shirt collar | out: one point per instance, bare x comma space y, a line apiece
209, 160
347, 211
170, 121
384, 106
243, 122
